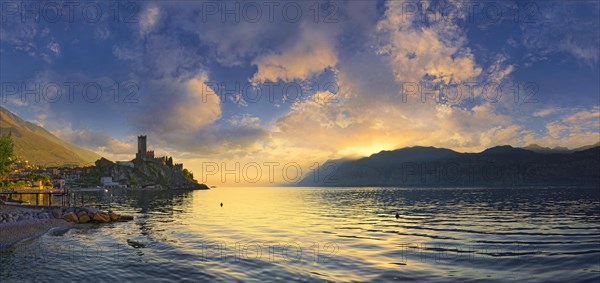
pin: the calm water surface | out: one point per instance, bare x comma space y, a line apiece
326, 234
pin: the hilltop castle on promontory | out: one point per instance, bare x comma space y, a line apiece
148, 155
147, 171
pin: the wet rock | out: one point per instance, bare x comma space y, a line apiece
114, 216
101, 217
71, 217
83, 217
57, 214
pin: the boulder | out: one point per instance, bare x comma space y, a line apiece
83, 217
71, 217
57, 213
101, 217
114, 216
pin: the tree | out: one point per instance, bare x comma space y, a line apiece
6, 154
187, 174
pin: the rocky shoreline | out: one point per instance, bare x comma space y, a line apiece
19, 223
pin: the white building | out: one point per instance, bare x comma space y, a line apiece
107, 182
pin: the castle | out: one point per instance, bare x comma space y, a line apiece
148, 155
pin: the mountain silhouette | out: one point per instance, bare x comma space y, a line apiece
429, 167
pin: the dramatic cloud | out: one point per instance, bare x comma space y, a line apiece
352, 71
416, 50
180, 107
310, 54
370, 112
569, 128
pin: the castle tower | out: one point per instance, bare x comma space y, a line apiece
142, 152
142, 145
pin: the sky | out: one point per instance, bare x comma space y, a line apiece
254, 93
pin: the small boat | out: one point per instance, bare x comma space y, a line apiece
213, 187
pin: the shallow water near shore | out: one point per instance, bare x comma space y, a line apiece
326, 234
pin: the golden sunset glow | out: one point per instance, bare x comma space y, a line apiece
299, 141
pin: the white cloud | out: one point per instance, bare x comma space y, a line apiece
585, 116
200, 107
239, 100
102, 32
572, 128
245, 120
148, 19
309, 55
499, 69
416, 50
54, 47
545, 112
178, 107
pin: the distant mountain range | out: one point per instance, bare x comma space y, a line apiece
558, 149
497, 166
38, 146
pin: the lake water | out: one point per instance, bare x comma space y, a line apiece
326, 234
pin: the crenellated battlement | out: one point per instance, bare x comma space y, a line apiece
148, 155
178, 166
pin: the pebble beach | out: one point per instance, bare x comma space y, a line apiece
19, 223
